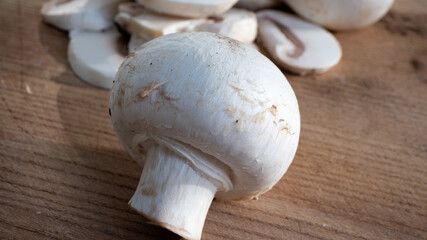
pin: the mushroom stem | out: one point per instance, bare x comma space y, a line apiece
172, 194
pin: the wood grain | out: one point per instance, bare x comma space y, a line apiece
360, 171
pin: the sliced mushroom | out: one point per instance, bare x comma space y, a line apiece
135, 42
95, 57
256, 4
189, 8
80, 14
339, 14
209, 117
296, 45
236, 23
149, 25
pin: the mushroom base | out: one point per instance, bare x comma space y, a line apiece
172, 194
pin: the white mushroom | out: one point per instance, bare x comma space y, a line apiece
95, 57
135, 42
210, 117
80, 14
236, 23
256, 4
340, 14
189, 8
296, 45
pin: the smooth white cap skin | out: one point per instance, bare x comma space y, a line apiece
296, 45
236, 23
341, 14
80, 14
95, 57
189, 8
224, 106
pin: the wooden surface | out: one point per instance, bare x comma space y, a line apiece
360, 171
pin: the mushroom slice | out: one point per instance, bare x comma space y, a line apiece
256, 4
236, 23
189, 8
150, 25
135, 42
80, 14
339, 14
95, 57
209, 117
296, 45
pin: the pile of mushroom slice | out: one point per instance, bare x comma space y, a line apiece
239, 24
95, 50
296, 45
144, 21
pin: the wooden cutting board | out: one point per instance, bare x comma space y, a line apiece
360, 171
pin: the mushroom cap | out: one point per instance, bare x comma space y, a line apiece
296, 45
189, 8
80, 14
95, 57
339, 14
213, 100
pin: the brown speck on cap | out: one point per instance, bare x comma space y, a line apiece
273, 110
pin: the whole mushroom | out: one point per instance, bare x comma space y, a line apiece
209, 117
341, 14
